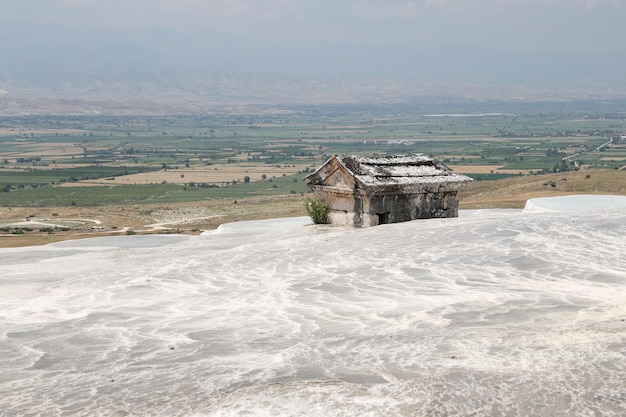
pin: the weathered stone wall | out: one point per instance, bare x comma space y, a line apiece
405, 207
356, 209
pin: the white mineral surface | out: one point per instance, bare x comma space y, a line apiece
493, 313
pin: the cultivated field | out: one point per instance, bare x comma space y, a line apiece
219, 174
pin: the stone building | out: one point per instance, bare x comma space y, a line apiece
367, 191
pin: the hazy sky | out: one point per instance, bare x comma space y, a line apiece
518, 25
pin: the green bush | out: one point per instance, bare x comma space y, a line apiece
317, 210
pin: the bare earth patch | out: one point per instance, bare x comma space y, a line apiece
210, 174
475, 169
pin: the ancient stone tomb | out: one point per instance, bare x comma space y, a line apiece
367, 191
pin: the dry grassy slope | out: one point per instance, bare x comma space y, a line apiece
514, 192
189, 218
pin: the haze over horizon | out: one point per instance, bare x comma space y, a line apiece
283, 51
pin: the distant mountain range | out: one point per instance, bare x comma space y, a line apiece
79, 69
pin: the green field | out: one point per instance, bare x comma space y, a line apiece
41, 155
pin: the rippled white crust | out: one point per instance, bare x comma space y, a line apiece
496, 312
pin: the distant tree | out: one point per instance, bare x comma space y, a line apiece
246, 179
